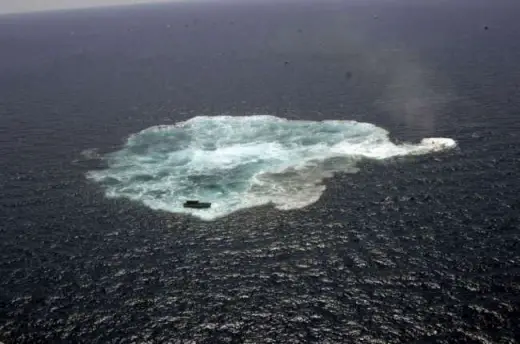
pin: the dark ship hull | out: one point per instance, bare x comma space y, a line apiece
197, 205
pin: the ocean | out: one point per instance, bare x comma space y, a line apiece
333, 220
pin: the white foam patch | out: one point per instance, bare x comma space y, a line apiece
242, 162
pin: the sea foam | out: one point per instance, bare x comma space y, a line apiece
241, 162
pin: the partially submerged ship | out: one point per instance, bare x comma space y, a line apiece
196, 204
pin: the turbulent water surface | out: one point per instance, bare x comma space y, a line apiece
361, 158
241, 162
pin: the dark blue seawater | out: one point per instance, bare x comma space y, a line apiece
425, 250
